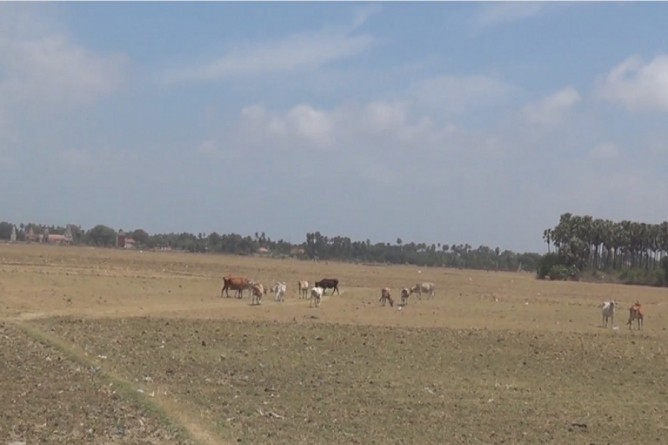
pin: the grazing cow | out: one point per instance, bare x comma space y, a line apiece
636, 313
424, 288
316, 296
386, 296
238, 284
608, 313
328, 283
257, 290
279, 289
405, 293
302, 286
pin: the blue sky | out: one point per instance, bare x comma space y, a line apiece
449, 122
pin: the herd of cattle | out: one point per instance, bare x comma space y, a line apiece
256, 290
315, 294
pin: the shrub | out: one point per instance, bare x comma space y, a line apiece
546, 263
559, 272
644, 277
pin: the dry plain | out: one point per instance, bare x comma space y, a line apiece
110, 346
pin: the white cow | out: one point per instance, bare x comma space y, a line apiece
302, 287
405, 293
279, 289
386, 296
424, 288
316, 296
257, 290
607, 313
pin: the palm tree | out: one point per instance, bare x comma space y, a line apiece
607, 240
547, 234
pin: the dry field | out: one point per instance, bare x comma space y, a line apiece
107, 346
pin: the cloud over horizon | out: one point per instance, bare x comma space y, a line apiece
337, 103
52, 68
552, 109
292, 53
637, 85
499, 13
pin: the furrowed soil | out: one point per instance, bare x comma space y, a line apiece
110, 346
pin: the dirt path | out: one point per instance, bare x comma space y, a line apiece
174, 413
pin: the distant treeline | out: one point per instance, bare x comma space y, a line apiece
635, 252
315, 247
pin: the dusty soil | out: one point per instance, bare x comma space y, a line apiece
47, 396
493, 358
308, 382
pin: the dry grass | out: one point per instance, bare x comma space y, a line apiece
493, 358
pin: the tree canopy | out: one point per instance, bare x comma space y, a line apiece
315, 246
637, 251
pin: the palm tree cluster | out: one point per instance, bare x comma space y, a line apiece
601, 244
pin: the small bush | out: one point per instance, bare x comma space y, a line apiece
664, 268
559, 272
643, 277
546, 263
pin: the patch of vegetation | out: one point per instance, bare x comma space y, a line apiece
555, 267
635, 251
643, 277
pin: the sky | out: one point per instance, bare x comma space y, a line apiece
473, 123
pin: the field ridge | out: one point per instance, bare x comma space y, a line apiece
169, 411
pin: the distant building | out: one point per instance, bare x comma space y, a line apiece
68, 232
297, 251
58, 239
124, 241
31, 237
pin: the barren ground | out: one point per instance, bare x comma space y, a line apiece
109, 346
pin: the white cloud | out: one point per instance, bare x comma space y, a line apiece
310, 124
363, 13
296, 52
552, 109
606, 150
452, 94
638, 86
301, 125
497, 13
52, 68
382, 116
40, 64
377, 128
208, 146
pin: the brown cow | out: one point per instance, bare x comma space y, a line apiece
328, 283
386, 296
405, 293
636, 313
238, 284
